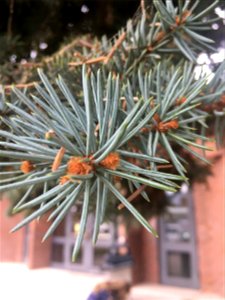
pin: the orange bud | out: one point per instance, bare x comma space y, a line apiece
180, 20
160, 35
76, 166
144, 130
26, 167
185, 15
164, 127
181, 100
111, 161
64, 179
177, 20
156, 117
173, 124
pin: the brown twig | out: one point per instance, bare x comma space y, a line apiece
75, 64
58, 159
164, 166
142, 188
133, 196
62, 51
85, 44
87, 62
30, 65
104, 59
8, 88
79, 55
113, 49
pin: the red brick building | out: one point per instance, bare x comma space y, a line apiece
190, 251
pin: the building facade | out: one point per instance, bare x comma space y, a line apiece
189, 253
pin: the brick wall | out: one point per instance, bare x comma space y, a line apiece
151, 255
11, 244
144, 250
135, 243
39, 254
209, 205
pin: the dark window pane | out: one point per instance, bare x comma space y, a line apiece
57, 253
179, 264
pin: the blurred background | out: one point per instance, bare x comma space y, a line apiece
190, 250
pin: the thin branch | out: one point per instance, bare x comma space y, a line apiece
88, 62
8, 88
115, 47
85, 44
133, 196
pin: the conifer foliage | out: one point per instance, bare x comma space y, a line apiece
133, 103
